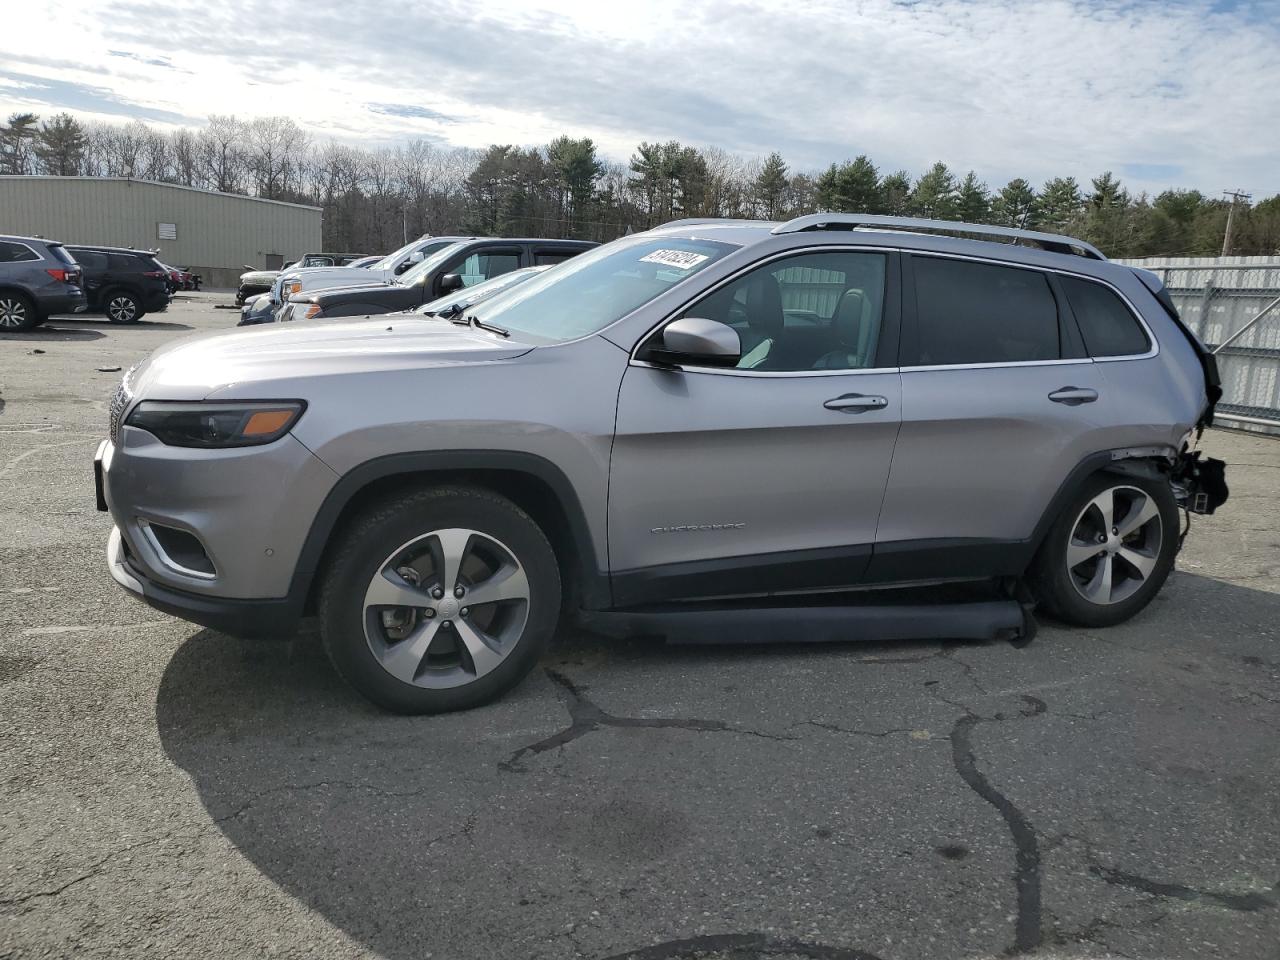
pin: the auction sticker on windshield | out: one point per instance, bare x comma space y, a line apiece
680, 259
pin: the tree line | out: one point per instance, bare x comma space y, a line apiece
374, 198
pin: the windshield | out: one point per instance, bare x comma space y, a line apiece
391, 259
596, 288
461, 299
435, 257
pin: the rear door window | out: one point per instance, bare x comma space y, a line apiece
1108, 326
11, 252
971, 312
91, 259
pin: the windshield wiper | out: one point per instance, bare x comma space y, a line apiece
475, 321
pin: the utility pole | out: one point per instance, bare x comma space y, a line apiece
1237, 196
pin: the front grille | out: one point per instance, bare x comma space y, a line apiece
115, 412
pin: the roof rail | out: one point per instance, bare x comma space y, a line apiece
697, 221
1053, 242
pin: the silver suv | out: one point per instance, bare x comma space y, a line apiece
832, 428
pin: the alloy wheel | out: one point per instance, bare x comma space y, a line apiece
122, 309
1114, 545
13, 313
446, 608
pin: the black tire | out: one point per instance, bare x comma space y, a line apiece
1061, 590
365, 545
17, 313
121, 306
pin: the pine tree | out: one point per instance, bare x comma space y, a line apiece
1059, 203
1014, 205
973, 200
17, 139
60, 146
935, 195
850, 187
770, 187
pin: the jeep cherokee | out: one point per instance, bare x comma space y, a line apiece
815, 429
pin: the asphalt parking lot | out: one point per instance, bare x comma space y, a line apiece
169, 791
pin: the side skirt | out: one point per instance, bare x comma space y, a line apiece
992, 618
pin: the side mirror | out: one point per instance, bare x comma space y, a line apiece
450, 282
696, 340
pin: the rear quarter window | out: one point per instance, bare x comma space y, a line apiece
124, 261
1108, 326
970, 312
61, 253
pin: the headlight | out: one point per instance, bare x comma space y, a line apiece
291, 287
214, 425
312, 310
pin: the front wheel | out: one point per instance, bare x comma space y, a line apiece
439, 600
1109, 551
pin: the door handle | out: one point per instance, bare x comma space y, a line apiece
856, 403
1073, 396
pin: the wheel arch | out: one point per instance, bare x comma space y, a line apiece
1149, 462
533, 483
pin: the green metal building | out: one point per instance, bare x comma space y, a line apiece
215, 234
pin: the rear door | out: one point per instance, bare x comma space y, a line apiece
96, 275
999, 405
767, 478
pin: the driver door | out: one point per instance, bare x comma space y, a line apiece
768, 477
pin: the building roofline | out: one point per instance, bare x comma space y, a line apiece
160, 183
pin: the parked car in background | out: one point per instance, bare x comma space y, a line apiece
180, 278
124, 284
38, 278
302, 279
748, 416
256, 310
449, 306
452, 267
259, 281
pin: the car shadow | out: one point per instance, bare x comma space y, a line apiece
89, 321
48, 332
394, 828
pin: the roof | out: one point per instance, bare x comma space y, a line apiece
159, 183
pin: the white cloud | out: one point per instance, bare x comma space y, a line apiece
1176, 93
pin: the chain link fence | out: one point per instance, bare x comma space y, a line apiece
1218, 297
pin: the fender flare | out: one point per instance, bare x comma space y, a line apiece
594, 579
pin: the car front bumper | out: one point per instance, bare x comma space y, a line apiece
241, 515
239, 618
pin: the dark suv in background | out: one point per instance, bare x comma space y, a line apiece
38, 278
122, 283
458, 265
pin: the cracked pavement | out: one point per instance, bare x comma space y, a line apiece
168, 790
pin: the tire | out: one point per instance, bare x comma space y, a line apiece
1070, 573
427, 656
17, 312
121, 306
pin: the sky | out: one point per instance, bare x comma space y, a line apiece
1179, 93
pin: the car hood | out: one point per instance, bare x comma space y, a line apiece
235, 363
259, 276
348, 290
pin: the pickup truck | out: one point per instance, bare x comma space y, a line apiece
455, 266
302, 279
254, 282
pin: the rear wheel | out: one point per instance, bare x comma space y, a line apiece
1109, 551
17, 313
439, 600
123, 307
